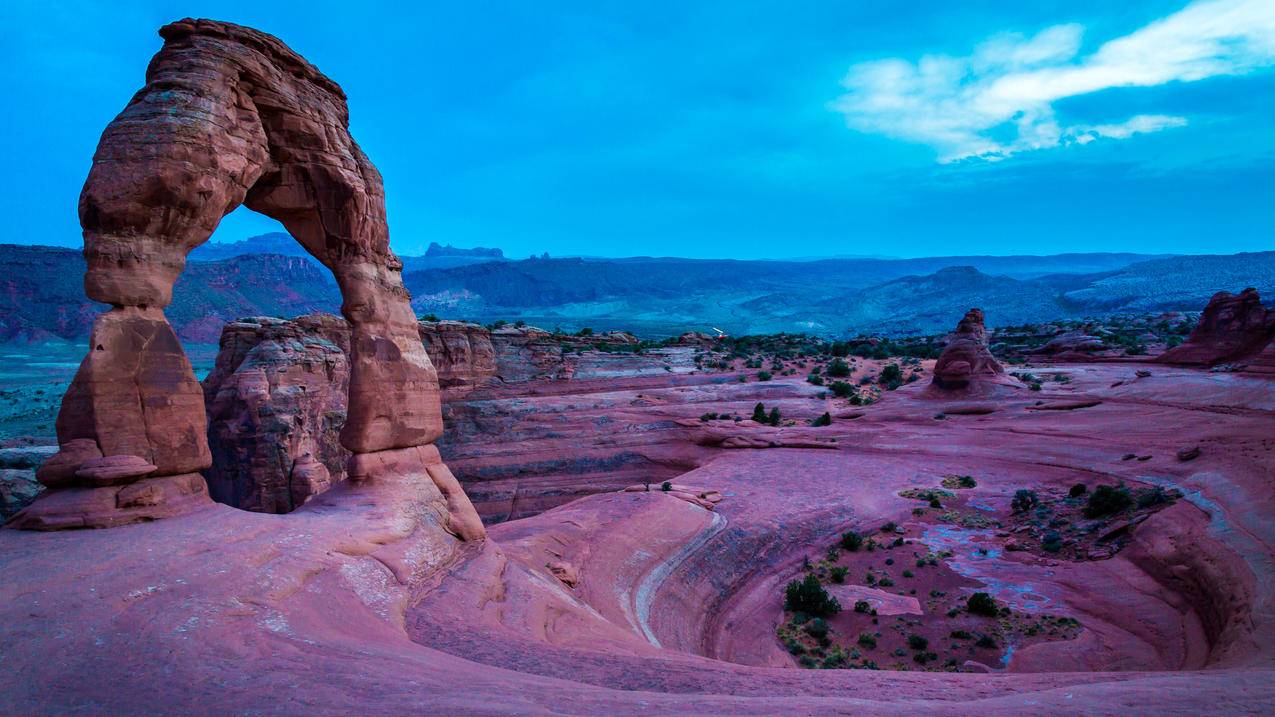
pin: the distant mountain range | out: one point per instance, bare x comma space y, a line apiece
41, 289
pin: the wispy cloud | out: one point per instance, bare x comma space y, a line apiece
999, 100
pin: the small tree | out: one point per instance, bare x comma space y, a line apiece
759, 413
808, 596
824, 420
774, 417
982, 604
1106, 500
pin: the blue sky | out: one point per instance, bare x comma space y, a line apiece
727, 129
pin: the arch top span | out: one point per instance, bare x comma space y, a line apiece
228, 116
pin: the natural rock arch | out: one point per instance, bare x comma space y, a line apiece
228, 116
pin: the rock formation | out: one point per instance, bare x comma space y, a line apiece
276, 402
1071, 345
228, 116
461, 352
1231, 328
966, 360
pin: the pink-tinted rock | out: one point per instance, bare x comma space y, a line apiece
111, 506
113, 470
461, 352
1233, 327
966, 360
59, 470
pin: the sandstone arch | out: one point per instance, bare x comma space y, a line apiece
228, 116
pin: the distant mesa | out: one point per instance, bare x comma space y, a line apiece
436, 250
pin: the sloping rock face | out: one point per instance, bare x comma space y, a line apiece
1232, 328
228, 116
276, 401
966, 360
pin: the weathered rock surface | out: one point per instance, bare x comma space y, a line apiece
1233, 327
1069, 344
966, 361
18, 487
276, 402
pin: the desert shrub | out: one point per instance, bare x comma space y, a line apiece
759, 413
955, 481
1024, 500
985, 641
891, 374
838, 369
1078, 490
981, 604
1106, 500
886, 582
838, 573
814, 379
961, 635
1051, 542
1153, 496
708, 417
764, 376
862, 606
868, 640
851, 541
917, 642
908, 574
889, 527
666, 486
924, 657
841, 389
429, 317
817, 628
808, 596
824, 420
586, 331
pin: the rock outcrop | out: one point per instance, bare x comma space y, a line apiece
1233, 327
966, 360
276, 399
1071, 344
228, 116
276, 402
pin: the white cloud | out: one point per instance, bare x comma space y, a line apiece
999, 100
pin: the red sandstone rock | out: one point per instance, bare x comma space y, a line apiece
966, 360
59, 470
1232, 328
1070, 344
276, 396
461, 352
228, 116
113, 470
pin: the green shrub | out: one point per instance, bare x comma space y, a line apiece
838, 573
1106, 500
1024, 500
868, 640
666, 486
891, 374
817, 628
985, 641
814, 380
759, 413
981, 604
917, 642
851, 541
774, 418
862, 606
808, 596
961, 635
1078, 490
824, 420
841, 389
838, 369
764, 376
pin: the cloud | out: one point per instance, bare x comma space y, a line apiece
999, 101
